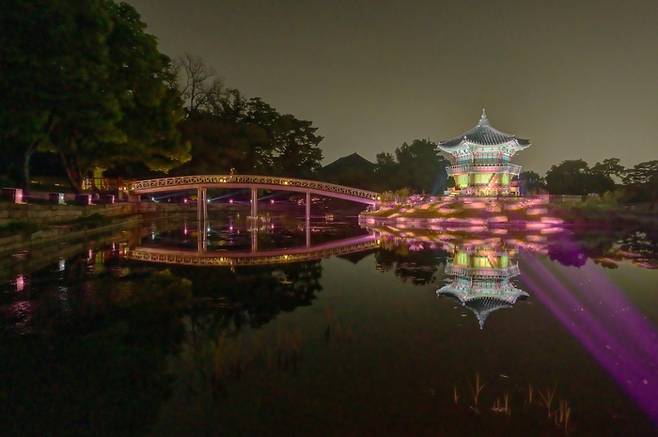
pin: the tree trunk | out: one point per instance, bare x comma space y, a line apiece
27, 156
72, 173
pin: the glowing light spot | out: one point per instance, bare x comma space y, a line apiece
20, 283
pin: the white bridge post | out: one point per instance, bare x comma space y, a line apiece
307, 219
202, 219
254, 240
202, 236
253, 218
254, 203
202, 204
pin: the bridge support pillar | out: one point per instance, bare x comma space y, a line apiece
254, 241
307, 219
253, 219
202, 204
202, 236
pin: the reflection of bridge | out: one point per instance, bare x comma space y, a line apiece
254, 183
258, 257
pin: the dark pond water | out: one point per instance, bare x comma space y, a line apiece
343, 330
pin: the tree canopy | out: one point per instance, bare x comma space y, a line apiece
92, 87
418, 166
229, 132
576, 177
531, 182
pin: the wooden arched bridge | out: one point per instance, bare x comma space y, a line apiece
202, 183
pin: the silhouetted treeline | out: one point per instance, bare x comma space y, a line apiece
230, 132
418, 166
635, 184
85, 88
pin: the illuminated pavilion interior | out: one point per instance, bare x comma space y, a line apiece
482, 158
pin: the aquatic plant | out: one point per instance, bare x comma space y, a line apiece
502, 406
547, 396
535, 401
476, 390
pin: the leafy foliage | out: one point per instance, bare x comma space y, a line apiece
531, 182
229, 132
642, 182
418, 166
576, 177
92, 88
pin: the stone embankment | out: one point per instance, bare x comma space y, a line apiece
44, 224
50, 214
63, 233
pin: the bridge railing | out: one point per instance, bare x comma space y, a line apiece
227, 259
178, 182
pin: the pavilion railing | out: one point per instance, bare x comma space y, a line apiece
178, 182
478, 272
512, 169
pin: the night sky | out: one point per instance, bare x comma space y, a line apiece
578, 78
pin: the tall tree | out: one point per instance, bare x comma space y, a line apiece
385, 172
198, 83
642, 179
136, 85
51, 54
609, 167
531, 182
296, 147
601, 175
228, 131
418, 166
568, 177
93, 87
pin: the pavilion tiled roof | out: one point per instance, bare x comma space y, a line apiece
483, 134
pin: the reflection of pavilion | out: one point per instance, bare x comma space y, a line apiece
480, 280
484, 259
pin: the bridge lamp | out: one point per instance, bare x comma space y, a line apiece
230, 201
272, 201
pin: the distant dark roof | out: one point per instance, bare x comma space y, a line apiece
353, 161
483, 134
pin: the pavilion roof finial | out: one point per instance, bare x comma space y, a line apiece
484, 121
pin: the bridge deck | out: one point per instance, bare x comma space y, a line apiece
274, 183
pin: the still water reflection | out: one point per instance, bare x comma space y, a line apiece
229, 327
